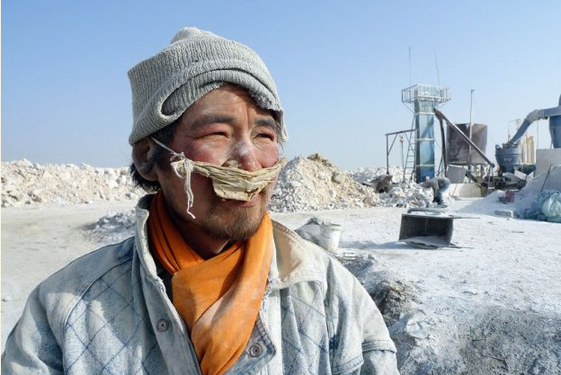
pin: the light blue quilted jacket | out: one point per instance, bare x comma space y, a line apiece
108, 313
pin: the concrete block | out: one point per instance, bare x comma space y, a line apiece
545, 158
464, 191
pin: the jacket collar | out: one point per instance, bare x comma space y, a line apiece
296, 260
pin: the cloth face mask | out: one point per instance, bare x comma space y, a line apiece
227, 182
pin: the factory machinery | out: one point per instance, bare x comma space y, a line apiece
465, 145
509, 155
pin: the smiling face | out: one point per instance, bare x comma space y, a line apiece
225, 127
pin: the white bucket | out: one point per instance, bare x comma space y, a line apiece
329, 237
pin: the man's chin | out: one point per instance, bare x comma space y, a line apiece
234, 222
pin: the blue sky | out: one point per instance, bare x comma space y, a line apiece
339, 67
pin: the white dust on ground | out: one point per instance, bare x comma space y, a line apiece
491, 305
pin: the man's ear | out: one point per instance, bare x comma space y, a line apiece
142, 152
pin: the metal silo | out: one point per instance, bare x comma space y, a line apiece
459, 152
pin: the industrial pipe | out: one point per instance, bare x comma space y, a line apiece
508, 156
538, 114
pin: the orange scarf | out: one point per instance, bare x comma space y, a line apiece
218, 299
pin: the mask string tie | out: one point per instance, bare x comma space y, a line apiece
183, 167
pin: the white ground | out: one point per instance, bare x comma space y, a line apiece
490, 306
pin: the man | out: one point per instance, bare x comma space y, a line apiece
438, 185
209, 284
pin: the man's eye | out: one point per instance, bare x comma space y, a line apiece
269, 136
215, 135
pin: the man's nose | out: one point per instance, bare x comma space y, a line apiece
243, 157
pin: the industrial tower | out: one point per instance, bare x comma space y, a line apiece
424, 99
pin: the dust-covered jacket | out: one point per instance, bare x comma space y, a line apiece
108, 313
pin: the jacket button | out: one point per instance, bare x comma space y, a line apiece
255, 350
162, 325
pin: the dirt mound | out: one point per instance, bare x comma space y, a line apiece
305, 184
314, 183
26, 183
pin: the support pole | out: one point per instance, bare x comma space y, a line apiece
387, 156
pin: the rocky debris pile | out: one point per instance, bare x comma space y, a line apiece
314, 183
407, 194
26, 183
394, 191
365, 175
305, 184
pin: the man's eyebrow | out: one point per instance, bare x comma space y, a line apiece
207, 120
267, 121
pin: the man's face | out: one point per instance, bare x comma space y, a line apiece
224, 127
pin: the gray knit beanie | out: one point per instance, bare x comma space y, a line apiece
195, 63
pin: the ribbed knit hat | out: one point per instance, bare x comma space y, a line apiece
195, 63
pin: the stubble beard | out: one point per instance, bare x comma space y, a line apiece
236, 224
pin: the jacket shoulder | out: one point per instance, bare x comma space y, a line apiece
61, 291
81, 272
